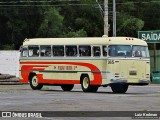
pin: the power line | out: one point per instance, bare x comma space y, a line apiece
53, 1
48, 1
41, 5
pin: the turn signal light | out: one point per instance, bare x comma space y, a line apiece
147, 76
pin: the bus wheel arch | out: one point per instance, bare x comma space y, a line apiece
33, 81
31, 75
85, 84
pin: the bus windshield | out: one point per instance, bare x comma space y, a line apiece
128, 51
120, 50
140, 51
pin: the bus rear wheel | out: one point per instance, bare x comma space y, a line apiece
85, 85
67, 87
119, 87
34, 83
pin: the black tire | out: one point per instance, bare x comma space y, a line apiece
94, 88
119, 87
85, 85
67, 87
33, 81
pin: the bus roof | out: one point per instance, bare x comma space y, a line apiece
84, 41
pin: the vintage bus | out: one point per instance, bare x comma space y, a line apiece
92, 62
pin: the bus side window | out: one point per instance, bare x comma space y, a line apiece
58, 50
71, 50
85, 50
96, 51
105, 49
24, 52
45, 50
33, 51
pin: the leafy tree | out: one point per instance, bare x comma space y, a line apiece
86, 16
7, 47
127, 22
3, 29
29, 19
51, 25
79, 33
21, 22
151, 16
128, 25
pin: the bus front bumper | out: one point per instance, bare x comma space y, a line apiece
118, 80
123, 80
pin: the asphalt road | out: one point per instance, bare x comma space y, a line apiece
52, 98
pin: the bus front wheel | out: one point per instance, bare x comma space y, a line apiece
34, 83
85, 84
67, 87
119, 87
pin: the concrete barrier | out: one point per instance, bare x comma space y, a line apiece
9, 62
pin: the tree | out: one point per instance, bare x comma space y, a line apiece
21, 22
79, 33
30, 19
85, 16
127, 22
51, 25
128, 25
151, 16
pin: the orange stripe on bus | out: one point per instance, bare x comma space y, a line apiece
29, 66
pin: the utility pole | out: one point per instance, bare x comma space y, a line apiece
106, 27
114, 18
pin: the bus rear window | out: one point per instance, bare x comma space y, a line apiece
120, 50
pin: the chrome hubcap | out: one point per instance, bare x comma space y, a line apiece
85, 82
34, 81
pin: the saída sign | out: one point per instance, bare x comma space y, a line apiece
150, 36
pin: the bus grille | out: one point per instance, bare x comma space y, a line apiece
132, 73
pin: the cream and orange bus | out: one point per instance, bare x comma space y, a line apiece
92, 62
